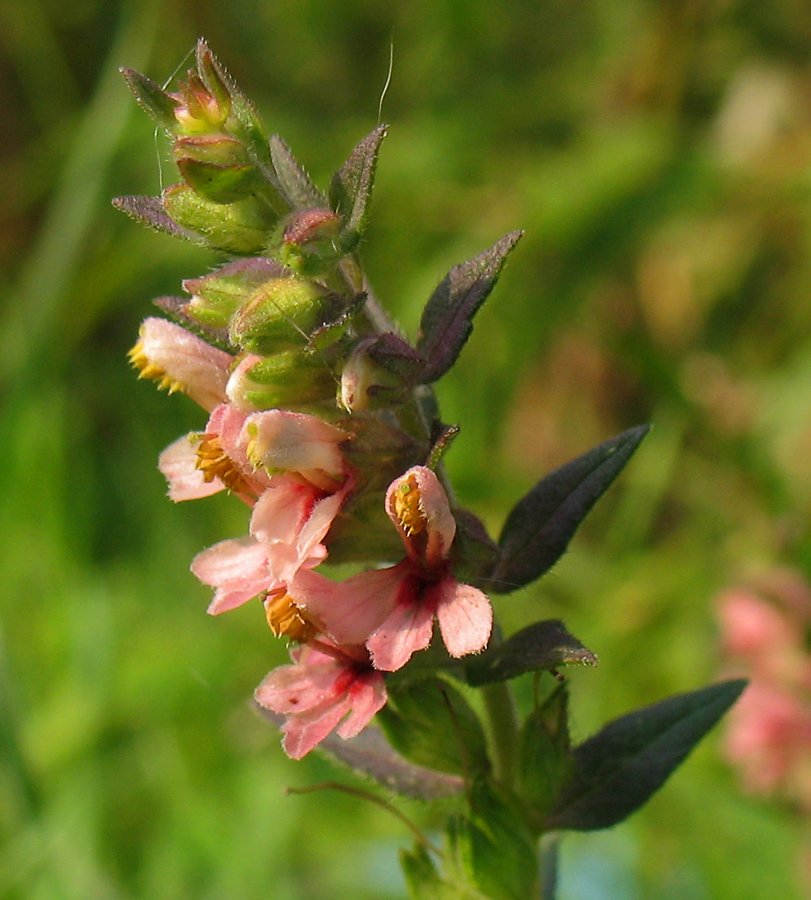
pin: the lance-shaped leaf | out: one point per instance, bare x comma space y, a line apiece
544, 645
473, 552
151, 97
294, 181
542, 523
544, 757
351, 188
617, 770
370, 754
447, 320
149, 211
492, 847
423, 879
431, 724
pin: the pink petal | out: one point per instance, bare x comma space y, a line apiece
282, 510
237, 568
178, 463
405, 631
304, 732
465, 616
314, 530
368, 695
280, 440
291, 520
439, 525
357, 606
197, 368
226, 422
298, 688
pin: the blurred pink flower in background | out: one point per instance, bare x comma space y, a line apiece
763, 636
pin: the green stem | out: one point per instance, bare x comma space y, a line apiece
549, 866
503, 720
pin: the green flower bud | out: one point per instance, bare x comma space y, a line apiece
216, 297
378, 373
243, 227
290, 380
217, 167
310, 241
282, 314
199, 110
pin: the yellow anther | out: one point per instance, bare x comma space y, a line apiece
147, 369
407, 507
213, 462
286, 619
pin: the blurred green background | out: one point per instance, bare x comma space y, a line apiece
657, 154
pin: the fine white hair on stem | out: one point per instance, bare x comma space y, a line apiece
165, 85
388, 82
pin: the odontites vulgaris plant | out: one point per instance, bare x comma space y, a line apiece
318, 415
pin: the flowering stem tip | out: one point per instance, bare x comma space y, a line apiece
317, 415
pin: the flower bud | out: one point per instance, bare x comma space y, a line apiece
198, 110
242, 227
282, 314
310, 241
216, 297
285, 380
181, 361
217, 167
378, 373
283, 441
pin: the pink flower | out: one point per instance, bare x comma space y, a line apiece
392, 610
770, 639
769, 736
180, 361
327, 688
198, 465
751, 627
288, 525
242, 452
282, 441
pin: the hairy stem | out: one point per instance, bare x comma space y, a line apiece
503, 721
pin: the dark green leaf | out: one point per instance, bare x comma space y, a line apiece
473, 552
447, 320
422, 878
492, 847
430, 723
544, 760
351, 188
151, 97
544, 645
294, 181
540, 526
617, 770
